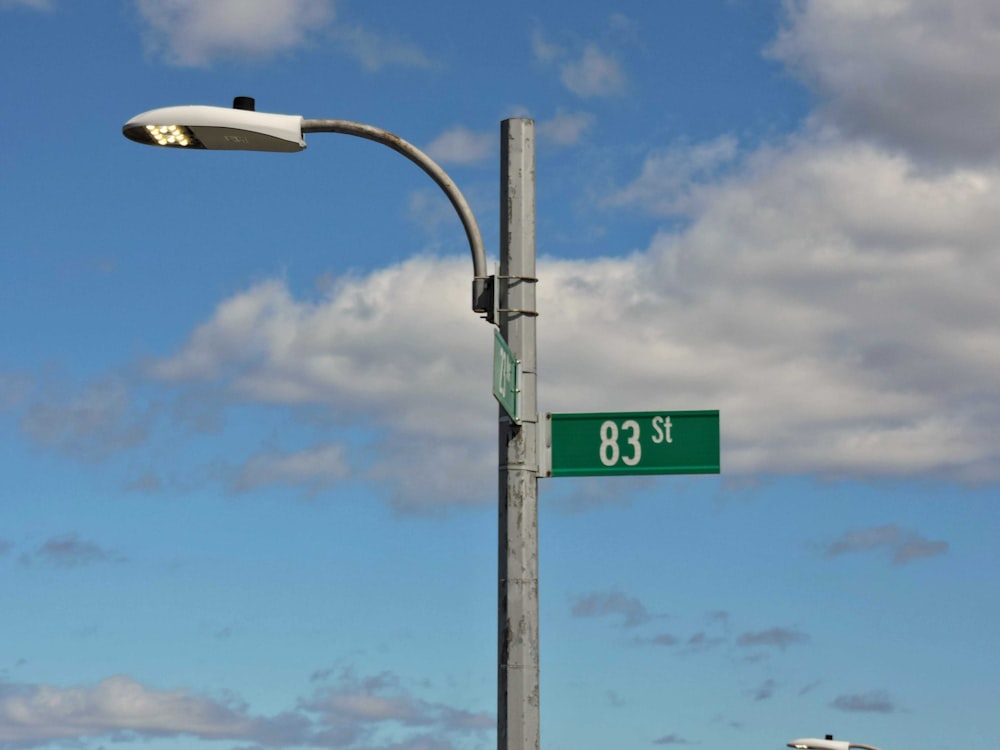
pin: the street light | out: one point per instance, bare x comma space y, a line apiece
507, 300
827, 744
242, 128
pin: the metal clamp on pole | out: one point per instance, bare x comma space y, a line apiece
515, 310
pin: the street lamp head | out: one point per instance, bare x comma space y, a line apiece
828, 744
202, 127
810, 743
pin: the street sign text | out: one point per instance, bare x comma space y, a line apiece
653, 442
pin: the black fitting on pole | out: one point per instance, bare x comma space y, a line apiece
484, 298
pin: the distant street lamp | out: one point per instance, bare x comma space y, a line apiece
507, 300
827, 744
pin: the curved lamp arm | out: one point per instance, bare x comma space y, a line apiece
427, 164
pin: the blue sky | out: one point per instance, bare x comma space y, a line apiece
248, 496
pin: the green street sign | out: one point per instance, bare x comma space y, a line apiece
647, 442
506, 378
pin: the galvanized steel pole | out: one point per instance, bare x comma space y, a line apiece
518, 674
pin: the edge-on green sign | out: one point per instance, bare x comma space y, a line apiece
506, 378
647, 442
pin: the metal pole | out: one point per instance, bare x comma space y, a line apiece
517, 669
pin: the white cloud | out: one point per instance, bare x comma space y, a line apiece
32, 715
836, 305
316, 468
566, 128
671, 178
906, 546
15, 389
196, 32
70, 551
874, 701
356, 704
375, 51
92, 424
401, 347
778, 637
398, 341
604, 603
672, 739
593, 73
36, 4
429, 208
369, 710
460, 145
587, 71
920, 74
544, 50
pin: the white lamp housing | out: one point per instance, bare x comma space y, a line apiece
221, 128
814, 744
